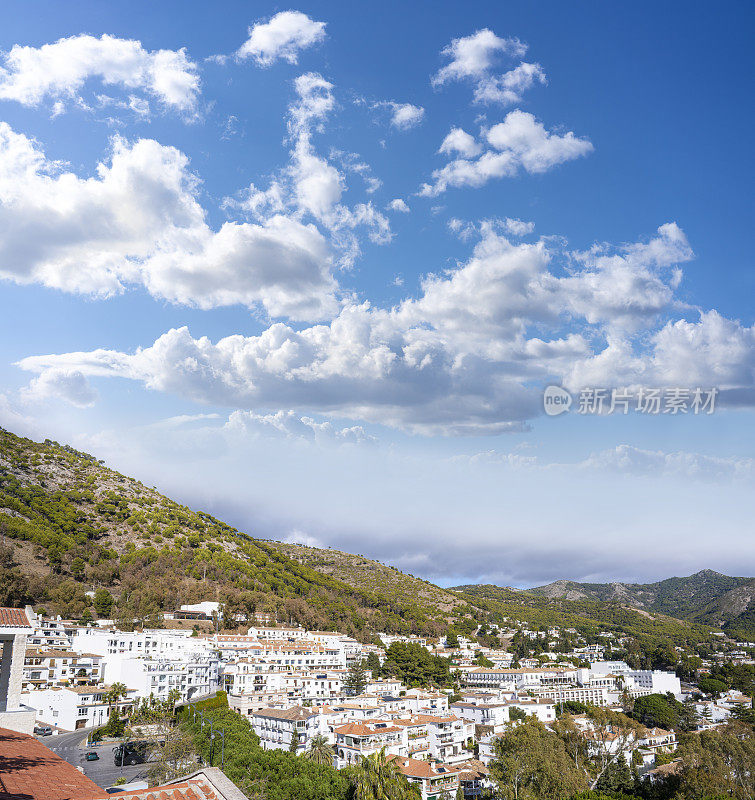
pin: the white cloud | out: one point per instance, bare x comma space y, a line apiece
312, 185
625, 458
508, 88
405, 115
59, 72
467, 355
282, 37
137, 221
292, 426
517, 227
399, 205
535, 148
473, 56
70, 386
520, 142
459, 141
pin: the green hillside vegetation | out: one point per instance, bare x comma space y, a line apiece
70, 524
706, 597
364, 573
588, 617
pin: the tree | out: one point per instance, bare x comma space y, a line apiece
294, 744
611, 734
355, 681
320, 750
174, 754
115, 725
77, 568
718, 763
452, 639
114, 694
481, 660
712, 686
103, 602
530, 763
372, 662
656, 711
617, 777
413, 665
376, 777
14, 585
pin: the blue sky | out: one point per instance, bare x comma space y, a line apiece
311, 267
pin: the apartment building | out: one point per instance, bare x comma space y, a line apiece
192, 676
56, 667
72, 707
277, 728
48, 634
355, 740
435, 779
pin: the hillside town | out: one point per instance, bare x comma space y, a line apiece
303, 689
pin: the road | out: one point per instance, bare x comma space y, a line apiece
72, 748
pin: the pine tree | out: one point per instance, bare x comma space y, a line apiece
373, 663
355, 681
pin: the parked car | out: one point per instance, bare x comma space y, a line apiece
127, 787
92, 756
43, 730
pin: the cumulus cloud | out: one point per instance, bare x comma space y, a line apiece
459, 141
473, 58
292, 426
311, 184
509, 87
59, 72
517, 227
625, 458
466, 355
283, 36
137, 221
518, 143
399, 205
68, 385
403, 116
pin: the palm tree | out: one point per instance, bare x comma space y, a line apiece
378, 778
320, 750
114, 694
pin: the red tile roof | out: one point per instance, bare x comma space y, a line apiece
31, 771
13, 618
28, 769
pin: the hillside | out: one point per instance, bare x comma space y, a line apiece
69, 524
587, 616
707, 597
364, 573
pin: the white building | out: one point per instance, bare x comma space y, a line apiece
45, 668
355, 740
193, 676
277, 728
74, 707
14, 630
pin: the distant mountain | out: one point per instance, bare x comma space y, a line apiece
706, 597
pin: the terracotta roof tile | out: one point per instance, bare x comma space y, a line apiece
13, 618
29, 769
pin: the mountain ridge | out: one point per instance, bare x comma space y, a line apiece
707, 597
